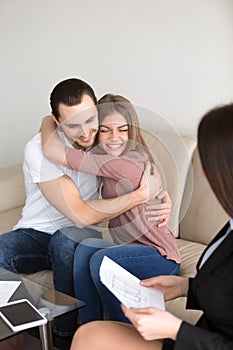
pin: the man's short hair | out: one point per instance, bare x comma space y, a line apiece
70, 92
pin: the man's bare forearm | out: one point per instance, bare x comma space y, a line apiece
63, 194
106, 209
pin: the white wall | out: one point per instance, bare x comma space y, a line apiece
172, 56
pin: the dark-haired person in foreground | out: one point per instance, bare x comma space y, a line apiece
211, 290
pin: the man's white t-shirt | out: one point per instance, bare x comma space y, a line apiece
37, 212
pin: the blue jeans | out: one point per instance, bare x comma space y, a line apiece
29, 251
142, 261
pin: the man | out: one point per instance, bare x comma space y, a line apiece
61, 204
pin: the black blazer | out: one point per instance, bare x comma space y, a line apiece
211, 290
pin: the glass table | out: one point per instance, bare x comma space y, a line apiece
49, 301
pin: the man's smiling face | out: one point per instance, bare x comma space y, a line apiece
79, 122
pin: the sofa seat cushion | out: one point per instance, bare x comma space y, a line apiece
190, 252
178, 308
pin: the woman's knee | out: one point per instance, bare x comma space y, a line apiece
82, 339
60, 240
98, 243
86, 248
109, 249
95, 262
90, 247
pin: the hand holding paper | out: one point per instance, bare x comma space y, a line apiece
126, 287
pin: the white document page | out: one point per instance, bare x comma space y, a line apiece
126, 287
7, 289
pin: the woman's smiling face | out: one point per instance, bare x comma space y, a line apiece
113, 134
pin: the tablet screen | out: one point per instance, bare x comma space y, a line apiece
20, 313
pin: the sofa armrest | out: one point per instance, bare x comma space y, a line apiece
12, 193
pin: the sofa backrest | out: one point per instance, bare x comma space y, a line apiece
173, 154
12, 194
204, 216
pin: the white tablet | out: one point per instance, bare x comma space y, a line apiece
21, 314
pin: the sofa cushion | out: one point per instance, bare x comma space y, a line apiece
200, 222
172, 154
11, 188
9, 218
190, 253
12, 195
178, 308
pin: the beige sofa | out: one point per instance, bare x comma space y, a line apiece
196, 215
